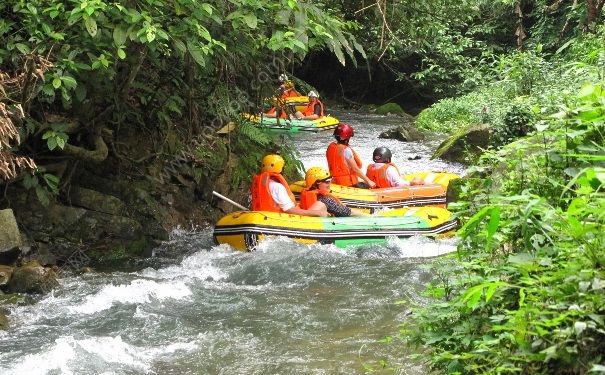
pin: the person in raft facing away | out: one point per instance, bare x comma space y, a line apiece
316, 195
343, 161
285, 90
314, 110
386, 174
270, 191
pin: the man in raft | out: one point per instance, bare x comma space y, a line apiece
286, 90
386, 174
316, 195
314, 110
343, 161
270, 191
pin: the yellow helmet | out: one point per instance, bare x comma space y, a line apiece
273, 163
315, 174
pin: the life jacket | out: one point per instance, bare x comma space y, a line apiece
339, 169
272, 111
379, 175
308, 197
288, 90
261, 195
310, 110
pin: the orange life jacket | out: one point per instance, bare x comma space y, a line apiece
379, 175
291, 92
310, 110
261, 195
287, 90
273, 110
339, 169
308, 197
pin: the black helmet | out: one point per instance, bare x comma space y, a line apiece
382, 155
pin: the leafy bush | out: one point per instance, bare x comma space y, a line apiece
531, 294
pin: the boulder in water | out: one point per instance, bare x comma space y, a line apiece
404, 133
32, 278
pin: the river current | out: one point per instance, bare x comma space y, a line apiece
199, 308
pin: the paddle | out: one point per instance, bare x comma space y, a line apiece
230, 201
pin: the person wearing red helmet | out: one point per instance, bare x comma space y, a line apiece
343, 161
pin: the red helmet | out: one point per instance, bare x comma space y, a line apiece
343, 131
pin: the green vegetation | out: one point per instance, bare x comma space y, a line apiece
93, 75
525, 292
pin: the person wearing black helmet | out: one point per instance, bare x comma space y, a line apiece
384, 173
343, 161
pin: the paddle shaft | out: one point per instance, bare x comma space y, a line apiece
230, 201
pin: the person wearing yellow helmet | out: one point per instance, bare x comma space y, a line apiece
316, 195
271, 192
314, 110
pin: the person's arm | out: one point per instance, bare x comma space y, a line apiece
351, 163
394, 178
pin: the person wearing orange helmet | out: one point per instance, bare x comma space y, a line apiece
271, 192
316, 195
343, 161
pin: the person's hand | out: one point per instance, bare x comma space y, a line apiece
371, 183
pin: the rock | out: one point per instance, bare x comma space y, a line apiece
390, 108
466, 145
10, 237
3, 320
95, 201
403, 133
32, 278
5, 274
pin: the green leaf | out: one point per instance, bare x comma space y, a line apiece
196, 53
56, 83
119, 36
42, 196
91, 26
251, 20
121, 54
51, 143
69, 81
207, 8
597, 368
48, 89
24, 49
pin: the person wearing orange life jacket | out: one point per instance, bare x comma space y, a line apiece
343, 161
316, 195
384, 173
270, 191
285, 90
314, 110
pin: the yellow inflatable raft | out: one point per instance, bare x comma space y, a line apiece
243, 230
433, 193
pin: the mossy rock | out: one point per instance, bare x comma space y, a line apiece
466, 145
392, 108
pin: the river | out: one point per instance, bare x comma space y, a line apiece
198, 308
